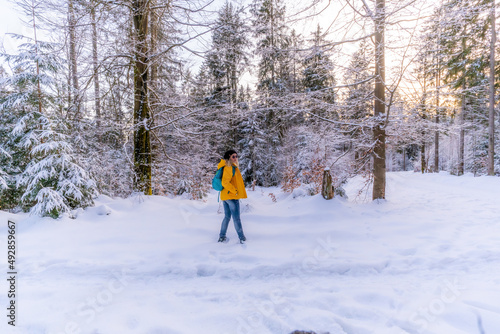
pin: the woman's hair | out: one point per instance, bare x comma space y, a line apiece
228, 155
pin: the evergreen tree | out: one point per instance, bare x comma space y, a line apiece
5, 121
254, 163
53, 182
463, 41
273, 40
318, 68
296, 56
226, 62
492, 91
274, 102
357, 105
318, 77
431, 65
45, 177
358, 76
227, 58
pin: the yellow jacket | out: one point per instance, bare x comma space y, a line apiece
234, 188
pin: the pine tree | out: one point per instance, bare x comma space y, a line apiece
53, 182
296, 55
492, 91
5, 120
357, 105
253, 162
318, 73
463, 41
226, 62
272, 43
318, 77
277, 81
358, 76
424, 73
432, 59
46, 179
227, 59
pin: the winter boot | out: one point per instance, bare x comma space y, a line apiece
223, 239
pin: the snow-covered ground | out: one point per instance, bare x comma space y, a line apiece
427, 260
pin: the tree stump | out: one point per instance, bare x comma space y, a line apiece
327, 189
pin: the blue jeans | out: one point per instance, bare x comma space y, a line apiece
232, 208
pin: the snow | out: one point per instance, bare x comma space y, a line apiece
426, 260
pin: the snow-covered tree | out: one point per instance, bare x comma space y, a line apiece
228, 57
463, 41
46, 178
253, 143
318, 73
273, 40
358, 76
52, 182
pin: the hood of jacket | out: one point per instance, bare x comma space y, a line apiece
222, 163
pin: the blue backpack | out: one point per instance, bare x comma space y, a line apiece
217, 180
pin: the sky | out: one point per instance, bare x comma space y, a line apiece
10, 22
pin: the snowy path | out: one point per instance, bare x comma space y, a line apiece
424, 261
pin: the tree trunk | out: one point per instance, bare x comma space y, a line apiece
379, 167
438, 111
142, 114
423, 164
404, 159
273, 48
95, 64
461, 139
153, 46
461, 148
75, 104
327, 189
39, 88
436, 133
491, 128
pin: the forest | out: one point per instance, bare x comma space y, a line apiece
117, 97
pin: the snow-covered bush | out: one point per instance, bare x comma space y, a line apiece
49, 203
290, 180
305, 159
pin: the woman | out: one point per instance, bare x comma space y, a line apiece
234, 189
